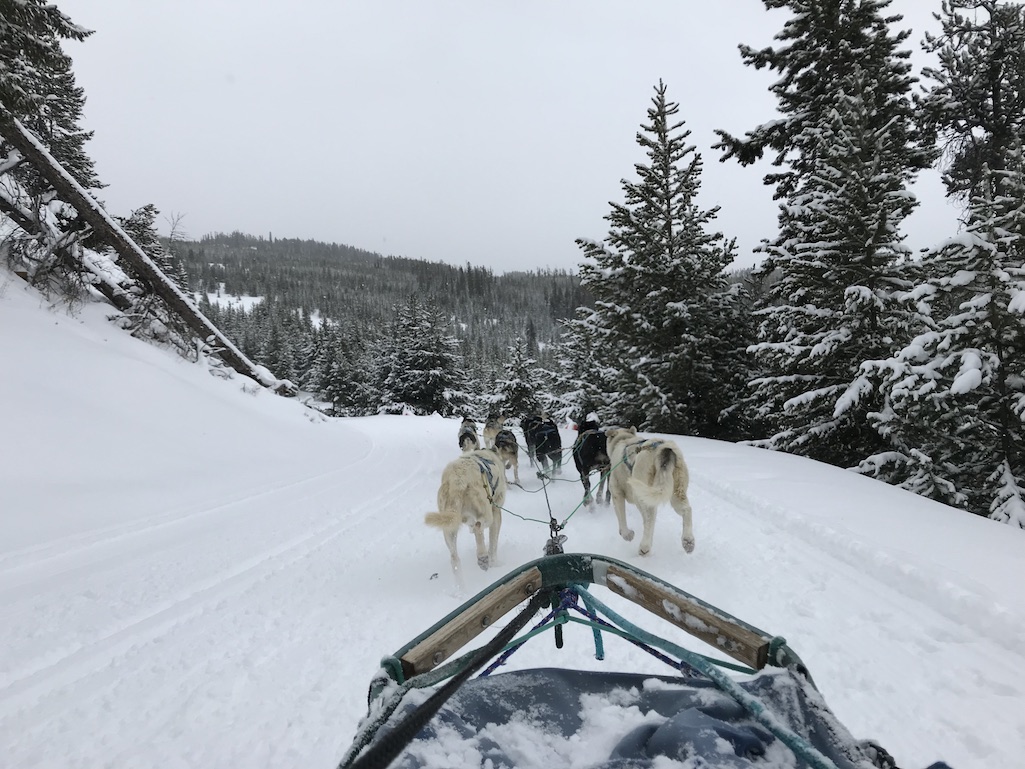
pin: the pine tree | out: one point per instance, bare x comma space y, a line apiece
823, 43
836, 303
956, 394
955, 397
653, 279
424, 371
38, 87
846, 148
518, 388
975, 105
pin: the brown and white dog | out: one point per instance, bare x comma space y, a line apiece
472, 491
648, 472
468, 440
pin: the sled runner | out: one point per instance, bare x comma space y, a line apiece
426, 710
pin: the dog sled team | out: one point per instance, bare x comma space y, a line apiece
646, 472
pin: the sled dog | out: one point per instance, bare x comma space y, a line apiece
508, 451
648, 472
590, 455
544, 443
491, 429
468, 440
529, 425
472, 491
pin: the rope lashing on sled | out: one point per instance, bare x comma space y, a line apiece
797, 744
560, 616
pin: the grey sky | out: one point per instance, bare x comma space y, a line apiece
450, 130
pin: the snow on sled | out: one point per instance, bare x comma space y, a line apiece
427, 710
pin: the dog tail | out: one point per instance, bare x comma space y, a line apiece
446, 519
659, 489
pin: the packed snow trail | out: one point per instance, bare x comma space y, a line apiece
189, 637
195, 576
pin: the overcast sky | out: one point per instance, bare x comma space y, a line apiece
450, 130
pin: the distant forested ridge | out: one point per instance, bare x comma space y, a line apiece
309, 289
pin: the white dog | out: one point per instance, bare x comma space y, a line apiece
648, 472
472, 491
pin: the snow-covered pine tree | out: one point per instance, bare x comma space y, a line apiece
38, 87
844, 79
975, 105
424, 370
519, 385
957, 391
822, 43
654, 279
839, 261
582, 377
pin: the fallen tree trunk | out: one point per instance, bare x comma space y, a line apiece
113, 292
111, 233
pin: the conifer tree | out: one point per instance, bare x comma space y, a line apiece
654, 278
839, 260
955, 393
424, 370
975, 104
846, 149
822, 43
518, 388
38, 87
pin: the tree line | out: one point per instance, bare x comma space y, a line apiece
842, 345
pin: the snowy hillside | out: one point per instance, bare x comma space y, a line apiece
196, 575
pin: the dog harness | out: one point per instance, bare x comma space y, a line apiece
491, 481
642, 445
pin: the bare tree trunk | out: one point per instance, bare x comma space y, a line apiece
93, 213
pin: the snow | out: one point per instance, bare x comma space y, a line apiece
194, 572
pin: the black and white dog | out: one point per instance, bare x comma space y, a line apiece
508, 450
468, 440
544, 443
591, 454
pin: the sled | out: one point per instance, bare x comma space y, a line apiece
427, 710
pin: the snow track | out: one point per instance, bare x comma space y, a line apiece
239, 623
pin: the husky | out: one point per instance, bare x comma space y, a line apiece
509, 452
647, 473
590, 455
468, 440
472, 491
529, 425
548, 446
491, 429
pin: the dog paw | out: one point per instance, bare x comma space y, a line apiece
483, 561
688, 544
628, 535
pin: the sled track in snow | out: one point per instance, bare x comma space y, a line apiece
61, 670
948, 600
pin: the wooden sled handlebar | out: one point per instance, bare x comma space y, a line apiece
742, 642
